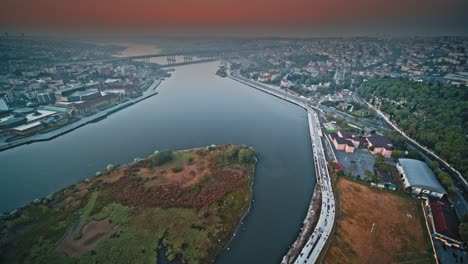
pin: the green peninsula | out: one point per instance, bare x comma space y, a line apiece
187, 202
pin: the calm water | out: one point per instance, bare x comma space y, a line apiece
194, 108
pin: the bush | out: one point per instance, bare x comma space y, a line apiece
177, 169
434, 165
162, 157
446, 181
246, 155
413, 154
232, 153
463, 227
396, 154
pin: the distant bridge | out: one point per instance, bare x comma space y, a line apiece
188, 57
175, 63
172, 60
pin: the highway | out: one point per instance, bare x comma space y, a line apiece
316, 242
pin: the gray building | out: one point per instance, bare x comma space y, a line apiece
417, 176
45, 98
83, 95
3, 105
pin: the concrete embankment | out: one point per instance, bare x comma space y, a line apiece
310, 221
268, 92
82, 122
318, 212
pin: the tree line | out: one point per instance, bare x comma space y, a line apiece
434, 115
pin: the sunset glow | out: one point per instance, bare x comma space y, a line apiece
163, 15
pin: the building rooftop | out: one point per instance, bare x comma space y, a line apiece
420, 175
380, 142
27, 126
341, 140
445, 220
83, 93
24, 110
347, 134
39, 114
56, 109
11, 121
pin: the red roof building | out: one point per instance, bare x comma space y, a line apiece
444, 220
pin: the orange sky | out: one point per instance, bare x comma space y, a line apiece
188, 14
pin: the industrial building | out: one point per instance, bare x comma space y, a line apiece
417, 176
78, 93
92, 105
25, 121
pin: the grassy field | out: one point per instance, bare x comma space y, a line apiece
378, 227
118, 217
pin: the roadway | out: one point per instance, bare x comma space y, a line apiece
311, 251
316, 242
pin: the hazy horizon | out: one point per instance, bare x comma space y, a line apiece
263, 18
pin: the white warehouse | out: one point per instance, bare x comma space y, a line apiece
419, 177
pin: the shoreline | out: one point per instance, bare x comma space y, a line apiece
308, 243
91, 179
82, 122
266, 91
226, 246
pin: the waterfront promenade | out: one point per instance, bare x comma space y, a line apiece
309, 251
151, 91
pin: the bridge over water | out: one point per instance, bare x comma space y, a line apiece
188, 57
173, 60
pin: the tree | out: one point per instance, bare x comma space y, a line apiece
231, 153
246, 155
413, 154
434, 165
446, 181
396, 154
432, 114
379, 159
463, 227
162, 157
